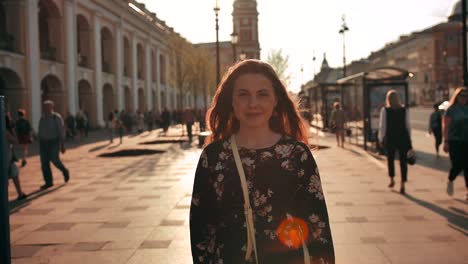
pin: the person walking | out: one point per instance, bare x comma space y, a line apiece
395, 135
140, 122
119, 123
71, 126
189, 119
24, 134
13, 171
166, 119
455, 133
257, 195
51, 140
80, 123
337, 123
110, 125
435, 127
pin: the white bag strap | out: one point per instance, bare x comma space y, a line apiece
251, 243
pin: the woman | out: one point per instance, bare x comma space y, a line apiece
435, 127
394, 135
455, 132
13, 172
24, 133
338, 122
252, 107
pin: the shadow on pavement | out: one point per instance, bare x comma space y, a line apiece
456, 221
99, 147
116, 146
16, 205
352, 151
432, 161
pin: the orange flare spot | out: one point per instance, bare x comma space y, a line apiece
289, 232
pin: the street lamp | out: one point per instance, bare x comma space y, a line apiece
216, 10
464, 43
234, 40
243, 56
343, 29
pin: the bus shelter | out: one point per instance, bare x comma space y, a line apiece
322, 96
365, 94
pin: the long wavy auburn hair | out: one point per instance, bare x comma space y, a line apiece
285, 119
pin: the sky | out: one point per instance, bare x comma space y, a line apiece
304, 27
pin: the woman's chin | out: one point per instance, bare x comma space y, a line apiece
254, 124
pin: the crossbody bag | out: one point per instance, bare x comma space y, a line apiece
251, 242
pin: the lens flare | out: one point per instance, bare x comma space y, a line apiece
292, 232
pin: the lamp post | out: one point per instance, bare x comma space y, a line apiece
216, 10
342, 31
243, 56
234, 40
464, 43
313, 63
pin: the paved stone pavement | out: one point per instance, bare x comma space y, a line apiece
134, 210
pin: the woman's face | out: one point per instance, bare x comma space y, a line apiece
253, 100
462, 97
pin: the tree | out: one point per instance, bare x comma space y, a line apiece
193, 68
280, 63
181, 52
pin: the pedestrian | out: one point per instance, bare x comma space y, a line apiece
110, 125
71, 125
395, 135
119, 124
80, 123
13, 171
24, 134
338, 123
51, 140
140, 121
189, 119
254, 120
201, 119
435, 127
149, 120
455, 133
86, 122
166, 119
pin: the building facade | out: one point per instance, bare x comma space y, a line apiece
433, 56
245, 25
91, 55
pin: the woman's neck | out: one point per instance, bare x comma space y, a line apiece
256, 138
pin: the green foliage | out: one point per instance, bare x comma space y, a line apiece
280, 63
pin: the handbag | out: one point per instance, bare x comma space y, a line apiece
410, 157
251, 242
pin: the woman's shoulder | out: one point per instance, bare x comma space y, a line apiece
216, 146
296, 144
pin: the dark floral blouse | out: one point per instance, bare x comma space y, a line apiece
283, 180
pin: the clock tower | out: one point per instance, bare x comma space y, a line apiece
245, 23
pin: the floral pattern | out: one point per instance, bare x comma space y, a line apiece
283, 181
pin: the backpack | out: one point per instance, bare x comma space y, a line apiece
23, 127
436, 120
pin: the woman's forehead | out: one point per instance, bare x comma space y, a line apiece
252, 82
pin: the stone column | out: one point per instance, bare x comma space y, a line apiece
119, 71
158, 79
134, 87
98, 68
71, 65
168, 87
33, 60
149, 76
